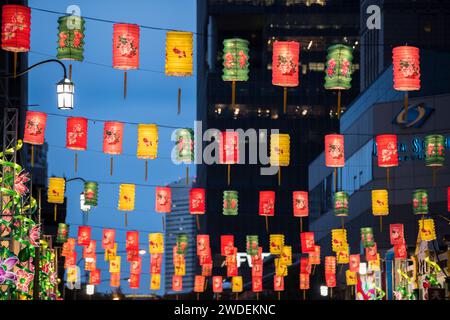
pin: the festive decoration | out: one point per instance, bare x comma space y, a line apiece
147, 146
112, 139
339, 67
286, 255
76, 133
230, 203
307, 242
300, 202
108, 238
304, 281
305, 266
126, 197
236, 284
163, 203
351, 278
182, 243
267, 203
396, 234
155, 283
56, 189
84, 235
341, 204
217, 284
94, 277
400, 251
387, 150
367, 237
70, 38
63, 233
406, 66
354, 262
434, 150
334, 150
199, 283
426, 230
279, 151
184, 151
156, 243
314, 256
371, 253
90, 193
380, 206
278, 283
226, 244
276, 243
16, 25
339, 239
229, 150
132, 240
179, 48
420, 201
34, 131
252, 245
197, 201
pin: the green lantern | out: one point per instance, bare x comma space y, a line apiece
70, 38
182, 243
341, 204
230, 203
420, 201
367, 238
235, 60
252, 245
434, 150
91, 193
184, 151
339, 68
63, 233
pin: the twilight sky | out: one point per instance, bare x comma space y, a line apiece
152, 98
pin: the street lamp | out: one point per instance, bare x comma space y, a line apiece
65, 89
83, 206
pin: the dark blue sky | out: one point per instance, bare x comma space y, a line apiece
152, 98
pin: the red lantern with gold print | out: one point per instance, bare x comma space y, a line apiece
217, 284
278, 283
396, 233
112, 137
330, 280
406, 65
229, 147
400, 251
334, 150
108, 238
300, 203
89, 250
202, 244
135, 279
387, 150
35, 123
16, 27
136, 265
84, 235
76, 133
163, 202
307, 242
226, 244
267, 203
197, 201
353, 262
94, 277
132, 241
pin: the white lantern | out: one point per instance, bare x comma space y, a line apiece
65, 89
90, 289
362, 268
323, 291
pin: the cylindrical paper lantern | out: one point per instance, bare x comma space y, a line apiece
76, 134
400, 251
339, 68
132, 240
286, 255
350, 277
226, 244
341, 204
406, 65
108, 238
380, 205
307, 242
280, 149
199, 284
155, 283
114, 281
182, 243
16, 25
156, 243
285, 63
236, 284
305, 266
84, 235
90, 193
70, 38
267, 203
354, 261
63, 232
300, 202
304, 281
420, 201
276, 243
235, 60
314, 257
278, 283
94, 277
330, 264
56, 189
252, 245
112, 137
257, 285
203, 245
35, 123
334, 151
230, 203
338, 239
179, 47
177, 283
367, 237
197, 201
147, 146
343, 255
217, 284
184, 140
387, 150
134, 280
163, 203
126, 46
434, 150
426, 230
229, 147
397, 233
126, 197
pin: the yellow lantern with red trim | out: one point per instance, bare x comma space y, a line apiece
276, 243
147, 146
427, 230
236, 284
380, 205
338, 239
351, 278
126, 197
56, 189
156, 243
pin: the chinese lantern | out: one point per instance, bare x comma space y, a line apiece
199, 283
334, 151
155, 283
281, 268
314, 256
182, 243
279, 152
367, 237
371, 252
230, 203
125, 49
397, 234
132, 240
114, 281
300, 203
90, 193
155, 263
426, 230
34, 132
338, 239
343, 255
338, 71
184, 148
285, 66
55, 192
236, 284
71, 259
267, 205
89, 250
84, 235
147, 146
90, 264
235, 63
257, 285
156, 243
229, 150
286, 255
420, 201
76, 135
217, 284
126, 198
108, 238
278, 283
163, 203
226, 244
354, 261
202, 244
305, 266
387, 150
434, 150
276, 243
350, 277
112, 139
330, 264
252, 245
111, 252
134, 280
207, 269
400, 251
63, 232
307, 242
375, 265
68, 247
136, 266
94, 277
70, 38
341, 204
380, 204
304, 281
197, 203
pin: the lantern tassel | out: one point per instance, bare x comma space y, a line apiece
111, 166
279, 295
301, 224
284, 100
187, 175
163, 223
267, 224
55, 211
126, 220
381, 224
198, 222
179, 101
125, 85
228, 174
237, 296
198, 296
32, 155
70, 72
76, 162
304, 294
406, 103
342, 222
387, 177
146, 170
339, 105
331, 293
233, 94
279, 176
335, 179
257, 296
15, 64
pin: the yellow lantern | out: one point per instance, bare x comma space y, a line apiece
147, 146
156, 243
380, 206
236, 284
276, 243
56, 189
427, 230
110, 254
343, 255
155, 282
280, 152
179, 47
338, 239
280, 268
374, 265
180, 268
126, 198
114, 265
350, 278
286, 255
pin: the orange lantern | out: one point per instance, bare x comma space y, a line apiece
330, 264
112, 139
304, 281
199, 284
115, 279
334, 151
354, 261
84, 235
177, 283
108, 238
307, 242
125, 49
229, 150
371, 253
314, 257
34, 132
217, 284
132, 240
94, 277
76, 135
278, 283
163, 202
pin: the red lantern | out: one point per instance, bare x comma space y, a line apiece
285, 63
207, 269
89, 250
278, 283
136, 265
406, 65
371, 253
94, 277
334, 150
163, 202
387, 150
257, 285
307, 242
400, 251
16, 25
232, 269
70, 260
229, 147
330, 279
205, 258
257, 269
397, 234
115, 279
354, 261
112, 137
304, 281
226, 244
108, 238
330, 264
135, 278
35, 123
126, 46
199, 284
300, 202
84, 235
217, 284
314, 257
177, 283
132, 241
202, 244
155, 263
267, 203
305, 266
76, 133
197, 201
